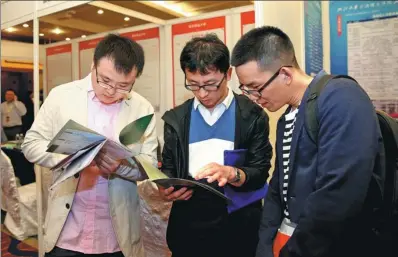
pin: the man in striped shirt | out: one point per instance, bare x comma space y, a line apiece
318, 199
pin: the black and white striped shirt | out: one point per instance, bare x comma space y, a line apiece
290, 119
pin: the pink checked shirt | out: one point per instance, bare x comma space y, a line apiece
88, 228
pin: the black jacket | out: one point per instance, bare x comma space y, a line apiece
204, 218
251, 132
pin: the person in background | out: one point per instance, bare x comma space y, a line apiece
196, 134
320, 199
12, 111
28, 119
97, 211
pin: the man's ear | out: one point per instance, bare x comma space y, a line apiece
287, 75
229, 74
92, 65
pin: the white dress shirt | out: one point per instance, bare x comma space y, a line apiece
212, 116
11, 113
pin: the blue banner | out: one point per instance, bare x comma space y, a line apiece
313, 37
343, 12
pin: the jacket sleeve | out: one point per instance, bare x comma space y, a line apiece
272, 216
259, 154
168, 162
41, 133
347, 149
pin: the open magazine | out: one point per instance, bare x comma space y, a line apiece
82, 144
158, 177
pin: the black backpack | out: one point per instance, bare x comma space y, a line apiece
386, 225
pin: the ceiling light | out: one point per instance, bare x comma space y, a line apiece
11, 29
41, 34
25, 25
67, 39
83, 36
100, 11
173, 7
57, 31
126, 18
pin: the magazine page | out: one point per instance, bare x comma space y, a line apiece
72, 138
78, 164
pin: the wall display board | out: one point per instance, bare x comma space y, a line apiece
313, 37
372, 49
363, 44
148, 84
181, 34
86, 53
247, 20
343, 12
59, 65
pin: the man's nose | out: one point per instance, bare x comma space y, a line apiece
253, 98
111, 90
202, 93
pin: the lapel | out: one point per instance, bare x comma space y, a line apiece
279, 143
122, 118
80, 102
243, 110
300, 121
238, 117
293, 146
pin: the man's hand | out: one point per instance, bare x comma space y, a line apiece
214, 171
168, 194
105, 163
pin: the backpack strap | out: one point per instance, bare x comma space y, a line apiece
389, 130
311, 112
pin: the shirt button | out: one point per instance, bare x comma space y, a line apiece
67, 206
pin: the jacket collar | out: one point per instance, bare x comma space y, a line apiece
127, 105
299, 124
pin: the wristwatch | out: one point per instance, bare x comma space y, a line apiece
237, 176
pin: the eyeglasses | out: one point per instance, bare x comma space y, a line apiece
107, 86
205, 87
256, 93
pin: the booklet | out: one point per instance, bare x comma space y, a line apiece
82, 144
158, 177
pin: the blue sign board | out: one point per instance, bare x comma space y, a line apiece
313, 37
343, 12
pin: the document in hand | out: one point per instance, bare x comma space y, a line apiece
158, 177
82, 144
236, 158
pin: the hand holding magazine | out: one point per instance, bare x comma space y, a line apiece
82, 144
158, 177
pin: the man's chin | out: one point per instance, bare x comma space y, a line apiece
108, 100
269, 107
208, 105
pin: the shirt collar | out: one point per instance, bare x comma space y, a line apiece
227, 101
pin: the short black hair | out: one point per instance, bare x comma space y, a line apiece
269, 46
204, 54
12, 90
124, 52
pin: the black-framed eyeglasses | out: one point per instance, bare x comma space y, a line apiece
213, 87
256, 93
107, 86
